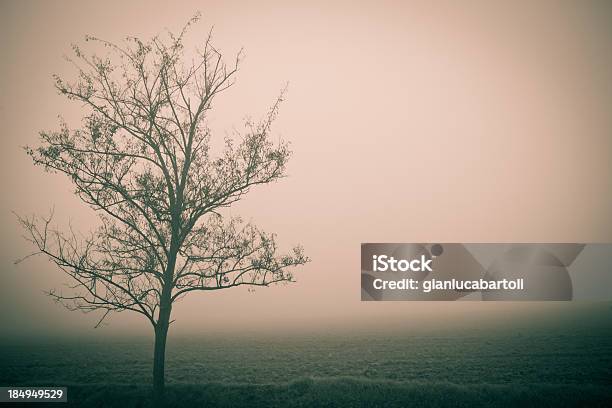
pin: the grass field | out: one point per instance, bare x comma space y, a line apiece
367, 371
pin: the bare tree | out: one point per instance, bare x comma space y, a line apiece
143, 160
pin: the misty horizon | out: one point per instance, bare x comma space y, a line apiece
521, 91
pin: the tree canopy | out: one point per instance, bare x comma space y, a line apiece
142, 159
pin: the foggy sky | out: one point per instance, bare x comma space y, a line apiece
409, 122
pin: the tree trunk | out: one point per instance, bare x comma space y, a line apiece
159, 353
163, 322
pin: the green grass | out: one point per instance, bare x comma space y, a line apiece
346, 392
543, 370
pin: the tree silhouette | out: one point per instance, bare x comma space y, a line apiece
143, 160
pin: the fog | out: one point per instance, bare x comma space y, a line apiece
409, 122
